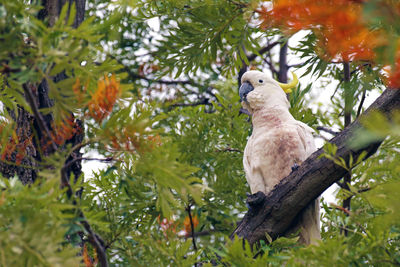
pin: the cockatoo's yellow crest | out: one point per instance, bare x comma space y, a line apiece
287, 87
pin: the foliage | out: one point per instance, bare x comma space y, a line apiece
154, 84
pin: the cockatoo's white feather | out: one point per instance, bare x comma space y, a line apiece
277, 143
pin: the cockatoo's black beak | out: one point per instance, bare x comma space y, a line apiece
244, 90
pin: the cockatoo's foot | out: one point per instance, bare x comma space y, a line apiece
295, 167
255, 199
244, 111
254, 202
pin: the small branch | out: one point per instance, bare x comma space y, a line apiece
327, 130
136, 76
205, 101
362, 190
94, 239
191, 226
66, 166
348, 212
263, 51
296, 65
361, 103
360, 67
271, 66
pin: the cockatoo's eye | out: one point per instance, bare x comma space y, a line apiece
260, 81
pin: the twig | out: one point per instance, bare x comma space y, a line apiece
66, 166
327, 130
362, 190
204, 101
262, 50
94, 239
191, 226
141, 77
296, 65
203, 233
348, 212
361, 103
271, 66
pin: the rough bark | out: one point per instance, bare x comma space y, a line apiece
27, 125
274, 213
283, 66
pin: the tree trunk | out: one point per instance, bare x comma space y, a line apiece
28, 128
274, 213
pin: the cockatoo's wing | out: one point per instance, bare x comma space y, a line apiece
306, 137
269, 155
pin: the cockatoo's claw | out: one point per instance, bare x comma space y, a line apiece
255, 199
295, 167
244, 111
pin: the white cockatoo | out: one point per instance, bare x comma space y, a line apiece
277, 144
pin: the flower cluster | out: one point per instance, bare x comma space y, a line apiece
338, 24
188, 226
104, 98
169, 226
394, 74
16, 149
61, 132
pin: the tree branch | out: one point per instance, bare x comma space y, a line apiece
204, 101
361, 103
136, 76
94, 239
275, 212
262, 51
39, 118
188, 209
348, 108
324, 129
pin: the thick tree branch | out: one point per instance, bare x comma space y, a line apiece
275, 212
39, 118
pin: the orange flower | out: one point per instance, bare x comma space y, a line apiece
187, 224
103, 100
338, 25
167, 226
394, 75
79, 90
65, 130
15, 150
86, 258
61, 132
